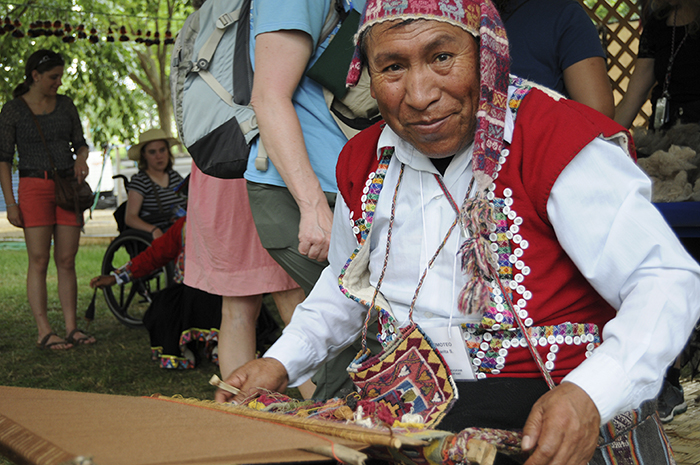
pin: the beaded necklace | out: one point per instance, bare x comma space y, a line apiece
392, 217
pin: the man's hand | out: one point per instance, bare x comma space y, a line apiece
103, 281
562, 428
315, 231
264, 373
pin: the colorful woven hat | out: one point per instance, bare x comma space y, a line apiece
479, 18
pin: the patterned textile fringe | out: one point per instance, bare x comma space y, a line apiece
507, 442
380, 437
334, 418
476, 257
208, 337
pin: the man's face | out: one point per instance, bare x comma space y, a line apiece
425, 77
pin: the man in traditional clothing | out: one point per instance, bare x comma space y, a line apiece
508, 223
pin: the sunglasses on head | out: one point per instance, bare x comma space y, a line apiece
50, 57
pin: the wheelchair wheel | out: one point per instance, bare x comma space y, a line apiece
129, 302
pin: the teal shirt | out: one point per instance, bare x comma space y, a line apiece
322, 137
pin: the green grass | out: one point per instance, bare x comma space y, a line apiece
119, 363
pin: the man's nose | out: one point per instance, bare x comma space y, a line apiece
421, 88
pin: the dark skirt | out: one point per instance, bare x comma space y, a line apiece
182, 317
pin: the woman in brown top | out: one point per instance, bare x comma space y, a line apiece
37, 103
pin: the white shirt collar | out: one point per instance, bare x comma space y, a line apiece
410, 156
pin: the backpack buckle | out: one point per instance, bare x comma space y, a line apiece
201, 65
226, 19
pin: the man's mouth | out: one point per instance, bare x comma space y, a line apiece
429, 125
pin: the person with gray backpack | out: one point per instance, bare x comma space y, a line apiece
225, 112
292, 201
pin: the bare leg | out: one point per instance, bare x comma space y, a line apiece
286, 302
66, 240
38, 240
237, 334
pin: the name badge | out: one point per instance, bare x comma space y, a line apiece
450, 343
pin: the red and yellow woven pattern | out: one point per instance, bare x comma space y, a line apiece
408, 378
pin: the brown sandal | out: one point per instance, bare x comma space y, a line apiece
45, 344
80, 340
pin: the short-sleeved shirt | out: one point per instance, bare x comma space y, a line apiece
548, 36
170, 201
61, 128
322, 136
656, 43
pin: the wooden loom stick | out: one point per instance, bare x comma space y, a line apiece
480, 452
218, 382
341, 430
339, 452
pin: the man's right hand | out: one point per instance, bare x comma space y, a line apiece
103, 281
315, 231
262, 373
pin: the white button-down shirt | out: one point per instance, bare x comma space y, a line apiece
601, 213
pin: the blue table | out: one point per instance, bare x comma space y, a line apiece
684, 217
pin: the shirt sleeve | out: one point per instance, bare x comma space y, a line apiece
162, 250
600, 210
327, 321
77, 138
647, 42
139, 183
7, 134
578, 38
301, 15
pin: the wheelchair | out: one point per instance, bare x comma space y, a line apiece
128, 302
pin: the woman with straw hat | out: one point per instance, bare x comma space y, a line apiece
152, 203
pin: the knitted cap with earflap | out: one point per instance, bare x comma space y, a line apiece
479, 18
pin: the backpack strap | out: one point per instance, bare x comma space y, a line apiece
201, 66
336, 14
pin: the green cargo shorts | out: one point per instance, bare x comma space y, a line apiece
276, 216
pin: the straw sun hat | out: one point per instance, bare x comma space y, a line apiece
134, 152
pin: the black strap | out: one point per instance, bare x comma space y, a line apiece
155, 192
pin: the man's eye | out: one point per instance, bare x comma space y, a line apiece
392, 68
443, 57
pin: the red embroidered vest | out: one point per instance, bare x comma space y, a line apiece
564, 314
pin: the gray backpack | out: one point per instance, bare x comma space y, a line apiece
215, 124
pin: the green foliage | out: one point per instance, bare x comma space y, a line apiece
602, 7
120, 88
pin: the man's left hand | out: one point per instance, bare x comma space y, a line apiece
562, 428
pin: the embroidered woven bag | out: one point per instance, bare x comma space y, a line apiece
409, 377
409, 380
